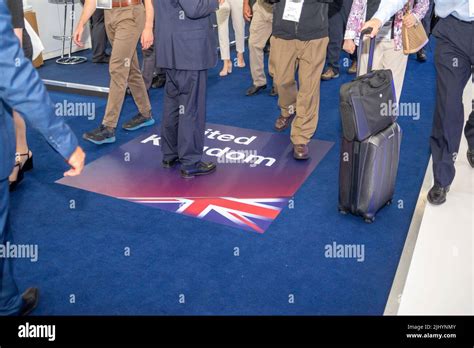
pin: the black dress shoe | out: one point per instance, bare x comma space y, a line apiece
421, 56
169, 164
202, 168
103, 60
254, 90
273, 92
470, 157
158, 81
437, 194
30, 301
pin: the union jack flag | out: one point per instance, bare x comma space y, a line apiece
255, 214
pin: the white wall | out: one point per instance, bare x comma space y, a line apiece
51, 22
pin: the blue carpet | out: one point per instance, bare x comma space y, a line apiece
81, 250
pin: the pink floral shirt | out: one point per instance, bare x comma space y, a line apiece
358, 13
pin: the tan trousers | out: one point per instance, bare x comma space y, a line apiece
232, 8
124, 26
385, 57
260, 32
306, 57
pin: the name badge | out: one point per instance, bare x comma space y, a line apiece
293, 10
104, 4
471, 8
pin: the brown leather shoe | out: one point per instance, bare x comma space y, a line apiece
282, 123
300, 151
353, 68
329, 74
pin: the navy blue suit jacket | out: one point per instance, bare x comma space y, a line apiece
185, 37
22, 89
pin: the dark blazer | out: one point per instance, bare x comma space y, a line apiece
184, 34
22, 89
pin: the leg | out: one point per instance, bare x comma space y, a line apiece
10, 298
20, 133
377, 62
123, 30
453, 70
426, 21
193, 91
148, 66
397, 62
311, 55
336, 35
138, 88
223, 29
260, 31
238, 22
21, 145
169, 124
283, 55
98, 36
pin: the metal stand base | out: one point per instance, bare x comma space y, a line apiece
72, 60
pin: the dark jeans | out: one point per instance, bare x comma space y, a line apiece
427, 20
338, 14
454, 56
98, 35
149, 69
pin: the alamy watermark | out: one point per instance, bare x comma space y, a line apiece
401, 110
19, 251
75, 109
345, 251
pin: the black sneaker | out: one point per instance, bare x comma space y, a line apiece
202, 168
101, 135
470, 157
137, 122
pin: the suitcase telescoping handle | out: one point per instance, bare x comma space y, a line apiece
364, 32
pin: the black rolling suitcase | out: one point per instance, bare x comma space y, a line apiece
370, 149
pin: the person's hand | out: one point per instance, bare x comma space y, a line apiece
410, 20
375, 24
247, 12
76, 161
147, 38
349, 46
78, 35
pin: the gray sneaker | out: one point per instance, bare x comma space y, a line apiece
101, 135
137, 122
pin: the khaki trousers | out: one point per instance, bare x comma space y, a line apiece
385, 57
260, 32
306, 57
124, 26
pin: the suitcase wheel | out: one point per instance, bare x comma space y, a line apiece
369, 220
